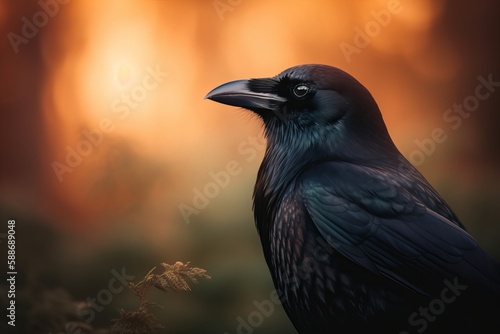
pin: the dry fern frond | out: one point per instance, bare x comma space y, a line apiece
171, 281
184, 270
175, 277
136, 322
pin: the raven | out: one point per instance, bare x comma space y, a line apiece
355, 237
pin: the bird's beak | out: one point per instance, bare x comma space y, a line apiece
236, 93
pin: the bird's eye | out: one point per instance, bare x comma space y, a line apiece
300, 90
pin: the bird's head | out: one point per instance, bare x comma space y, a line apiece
317, 106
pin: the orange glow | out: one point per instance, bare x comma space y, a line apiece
100, 70
105, 62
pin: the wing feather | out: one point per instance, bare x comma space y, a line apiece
391, 232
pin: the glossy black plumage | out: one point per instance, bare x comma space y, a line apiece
355, 237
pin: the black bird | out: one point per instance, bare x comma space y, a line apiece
355, 238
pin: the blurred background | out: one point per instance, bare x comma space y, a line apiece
110, 156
